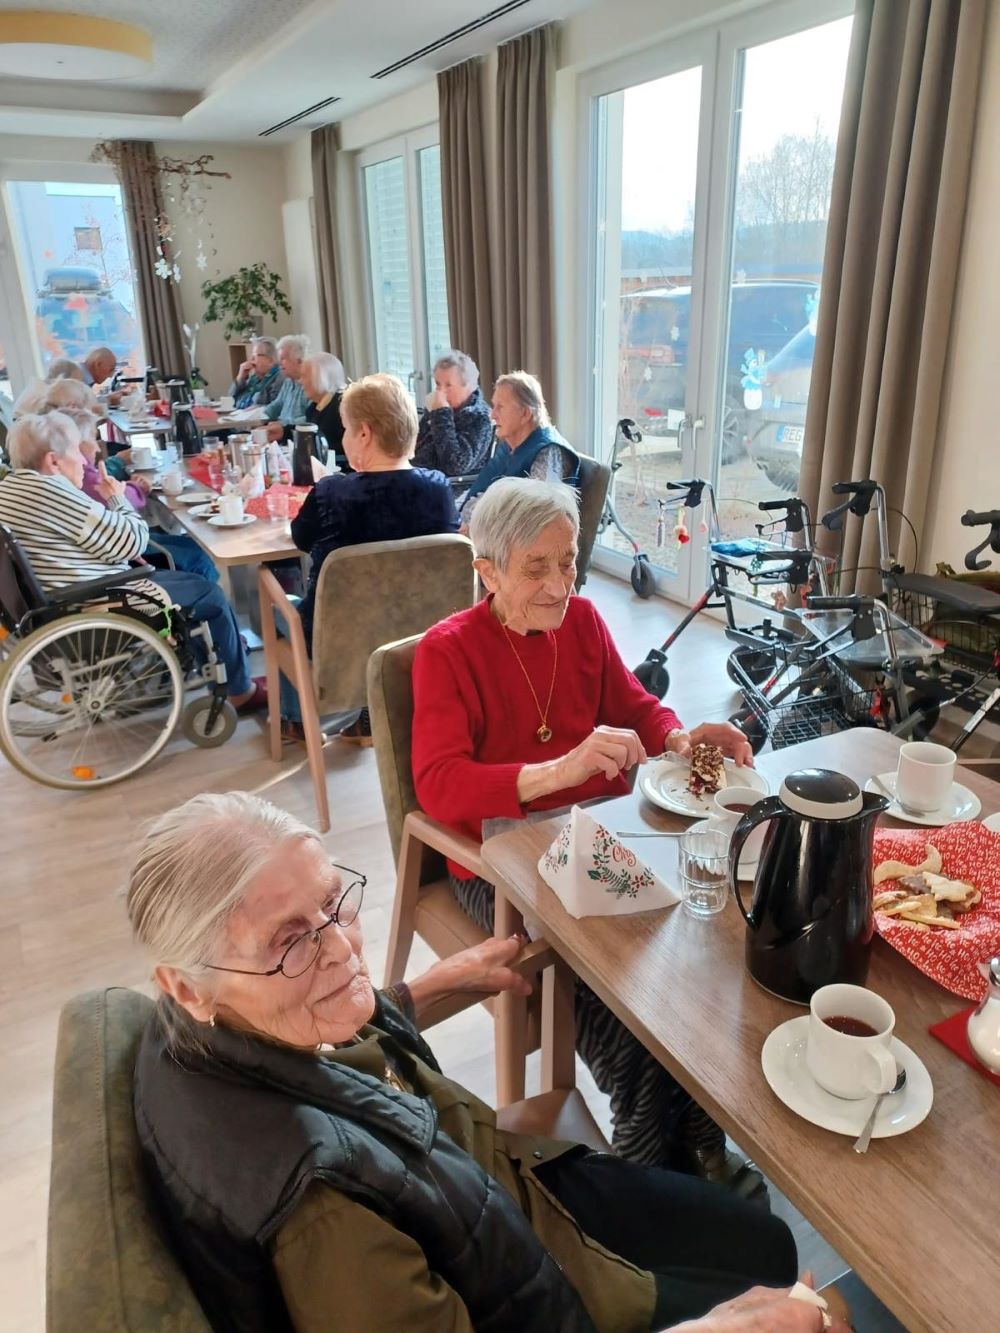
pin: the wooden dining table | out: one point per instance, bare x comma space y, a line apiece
914, 1216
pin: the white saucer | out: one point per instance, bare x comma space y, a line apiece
961, 804
783, 1058
992, 822
196, 497
217, 521
664, 782
748, 862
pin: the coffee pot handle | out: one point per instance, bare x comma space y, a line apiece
771, 807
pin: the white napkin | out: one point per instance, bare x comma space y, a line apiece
800, 1292
594, 873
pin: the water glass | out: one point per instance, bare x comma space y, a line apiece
278, 504
704, 866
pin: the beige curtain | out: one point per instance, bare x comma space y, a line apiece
525, 77
463, 203
892, 253
159, 298
325, 143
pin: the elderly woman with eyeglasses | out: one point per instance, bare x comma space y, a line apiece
258, 379
317, 1170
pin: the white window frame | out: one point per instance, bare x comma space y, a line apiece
408, 147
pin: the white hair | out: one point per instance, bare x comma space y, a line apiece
31, 398
514, 511
327, 371
528, 392
33, 436
298, 343
453, 359
64, 366
267, 345
68, 392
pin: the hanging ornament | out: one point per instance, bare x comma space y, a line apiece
681, 534
659, 527
703, 527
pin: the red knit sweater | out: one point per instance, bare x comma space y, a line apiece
474, 718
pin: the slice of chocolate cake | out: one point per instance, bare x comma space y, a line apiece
708, 770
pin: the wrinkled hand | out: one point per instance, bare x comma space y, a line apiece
244, 370
275, 430
607, 750
484, 969
108, 488
730, 740
762, 1310
434, 400
144, 484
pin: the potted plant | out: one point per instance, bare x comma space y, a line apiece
243, 298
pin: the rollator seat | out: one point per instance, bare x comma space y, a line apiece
952, 592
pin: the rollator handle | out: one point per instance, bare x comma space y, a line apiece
817, 602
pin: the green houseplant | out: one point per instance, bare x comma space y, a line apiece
242, 298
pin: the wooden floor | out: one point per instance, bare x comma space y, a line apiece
63, 927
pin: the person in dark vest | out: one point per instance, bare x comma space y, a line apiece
384, 498
315, 1169
528, 443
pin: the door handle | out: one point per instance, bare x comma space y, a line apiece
696, 425
683, 426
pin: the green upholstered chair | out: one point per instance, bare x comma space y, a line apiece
110, 1269
366, 595
595, 478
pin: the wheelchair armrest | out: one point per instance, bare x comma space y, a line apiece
82, 592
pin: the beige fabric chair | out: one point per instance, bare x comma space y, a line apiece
110, 1265
595, 478
366, 595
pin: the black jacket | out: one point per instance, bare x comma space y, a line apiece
455, 442
235, 1134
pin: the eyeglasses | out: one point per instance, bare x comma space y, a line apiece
304, 949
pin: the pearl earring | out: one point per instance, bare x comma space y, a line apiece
211, 1021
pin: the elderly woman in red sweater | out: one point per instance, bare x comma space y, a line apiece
522, 703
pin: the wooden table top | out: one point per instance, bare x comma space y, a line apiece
914, 1216
255, 544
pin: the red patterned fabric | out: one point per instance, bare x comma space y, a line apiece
296, 499
950, 957
953, 1033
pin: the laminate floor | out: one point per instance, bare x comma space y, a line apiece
63, 926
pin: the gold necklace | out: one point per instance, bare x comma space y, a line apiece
544, 732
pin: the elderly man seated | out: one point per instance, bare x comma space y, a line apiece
70, 538
289, 407
455, 431
258, 381
530, 446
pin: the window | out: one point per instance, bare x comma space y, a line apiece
401, 193
71, 247
704, 319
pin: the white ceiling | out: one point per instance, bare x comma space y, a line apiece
228, 69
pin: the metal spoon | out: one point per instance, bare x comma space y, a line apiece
861, 1144
893, 796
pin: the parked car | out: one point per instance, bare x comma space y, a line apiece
75, 310
778, 437
656, 332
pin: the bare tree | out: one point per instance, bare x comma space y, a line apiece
789, 185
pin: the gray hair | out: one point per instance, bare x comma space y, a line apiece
33, 436
528, 392
328, 371
82, 417
514, 511
68, 392
453, 359
64, 366
298, 343
267, 345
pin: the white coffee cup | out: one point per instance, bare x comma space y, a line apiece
227, 403
143, 456
231, 508
851, 1065
172, 482
200, 397
725, 817
925, 775
259, 437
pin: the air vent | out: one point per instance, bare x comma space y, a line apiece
299, 115
466, 28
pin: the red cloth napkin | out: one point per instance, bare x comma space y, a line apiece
950, 957
296, 497
197, 467
953, 1033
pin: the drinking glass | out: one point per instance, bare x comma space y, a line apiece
704, 866
278, 504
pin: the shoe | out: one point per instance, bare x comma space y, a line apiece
734, 1172
291, 732
359, 732
257, 700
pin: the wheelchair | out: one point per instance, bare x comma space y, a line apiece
93, 677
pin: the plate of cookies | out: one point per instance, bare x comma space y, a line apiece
937, 900
687, 786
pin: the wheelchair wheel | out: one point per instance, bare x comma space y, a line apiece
194, 723
642, 578
88, 700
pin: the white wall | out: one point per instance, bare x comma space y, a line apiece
967, 472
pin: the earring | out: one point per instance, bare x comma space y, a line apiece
211, 1021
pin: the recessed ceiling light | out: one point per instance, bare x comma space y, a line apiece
39, 44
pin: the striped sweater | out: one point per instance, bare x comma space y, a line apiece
66, 536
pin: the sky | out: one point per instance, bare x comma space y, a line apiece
788, 85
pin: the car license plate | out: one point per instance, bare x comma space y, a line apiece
791, 434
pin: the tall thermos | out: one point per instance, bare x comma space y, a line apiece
186, 431
303, 452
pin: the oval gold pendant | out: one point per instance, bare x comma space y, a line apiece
544, 733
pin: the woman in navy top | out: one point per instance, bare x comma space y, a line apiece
385, 498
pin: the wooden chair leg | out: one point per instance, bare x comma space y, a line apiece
269, 634
314, 740
510, 1016
404, 908
558, 1028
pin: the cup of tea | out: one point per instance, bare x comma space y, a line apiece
172, 482
925, 775
848, 1049
226, 403
143, 456
231, 508
730, 805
